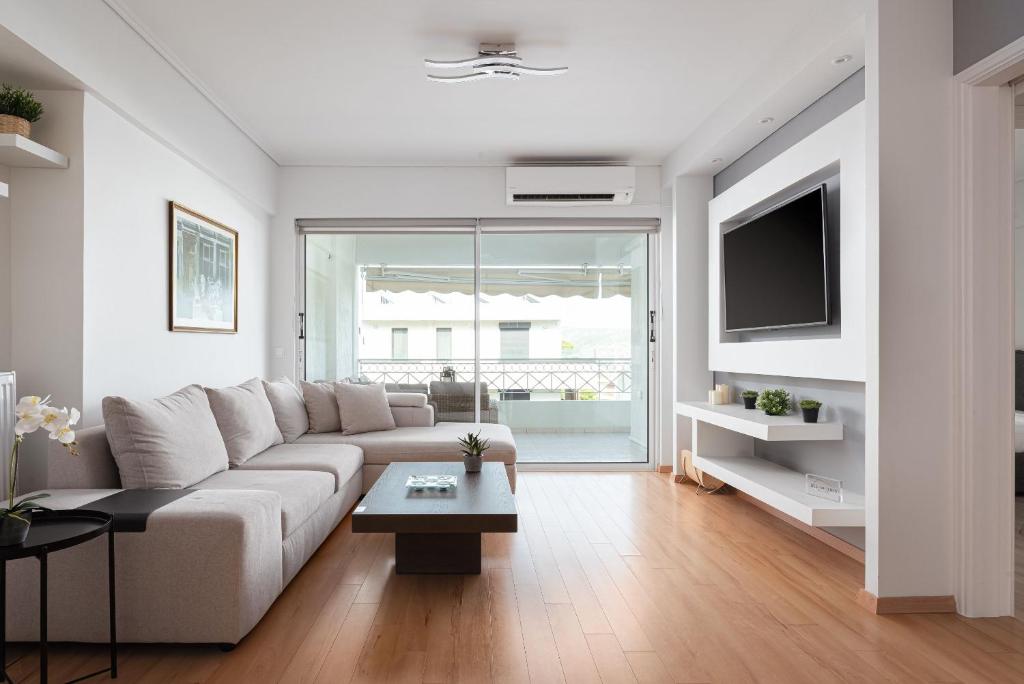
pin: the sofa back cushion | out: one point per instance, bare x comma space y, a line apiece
165, 443
321, 406
364, 408
289, 408
245, 419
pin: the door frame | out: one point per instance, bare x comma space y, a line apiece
654, 386
983, 305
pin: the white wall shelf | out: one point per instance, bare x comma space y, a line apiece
756, 424
4, 191
783, 489
17, 150
724, 446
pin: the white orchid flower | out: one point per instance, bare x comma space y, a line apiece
29, 412
62, 430
52, 418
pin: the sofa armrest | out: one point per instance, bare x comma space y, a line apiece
206, 569
409, 416
407, 399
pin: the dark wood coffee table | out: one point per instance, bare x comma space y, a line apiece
438, 532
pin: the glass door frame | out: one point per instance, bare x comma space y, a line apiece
477, 228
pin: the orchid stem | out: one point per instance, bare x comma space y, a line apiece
12, 472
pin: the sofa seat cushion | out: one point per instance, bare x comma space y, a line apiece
342, 461
301, 493
437, 443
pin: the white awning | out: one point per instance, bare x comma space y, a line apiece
593, 283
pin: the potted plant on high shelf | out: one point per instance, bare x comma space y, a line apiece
749, 399
33, 413
473, 449
774, 402
19, 109
810, 410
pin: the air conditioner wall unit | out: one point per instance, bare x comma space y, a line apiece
569, 186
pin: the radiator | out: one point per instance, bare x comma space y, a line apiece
8, 400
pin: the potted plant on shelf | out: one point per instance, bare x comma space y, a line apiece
18, 110
774, 402
473, 449
749, 399
32, 413
810, 410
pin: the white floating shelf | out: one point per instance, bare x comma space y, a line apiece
17, 150
756, 424
4, 191
783, 489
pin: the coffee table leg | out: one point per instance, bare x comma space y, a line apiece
437, 554
113, 604
42, 619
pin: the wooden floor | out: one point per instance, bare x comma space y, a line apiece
613, 577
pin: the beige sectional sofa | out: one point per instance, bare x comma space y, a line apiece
211, 563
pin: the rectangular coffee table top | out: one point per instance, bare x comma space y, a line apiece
481, 502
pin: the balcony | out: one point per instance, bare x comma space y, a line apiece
562, 410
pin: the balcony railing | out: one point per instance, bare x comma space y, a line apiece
571, 378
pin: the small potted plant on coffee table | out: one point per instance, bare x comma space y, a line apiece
749, 399
810, 410
774, 402
473, 449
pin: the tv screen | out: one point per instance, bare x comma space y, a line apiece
775, 266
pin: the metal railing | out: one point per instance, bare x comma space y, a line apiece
604, 378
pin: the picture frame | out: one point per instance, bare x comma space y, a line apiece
202, 274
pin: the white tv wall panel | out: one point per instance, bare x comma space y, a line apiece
838, 147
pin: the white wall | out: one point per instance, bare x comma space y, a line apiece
91, 42
909, 409
129, 179
396, 192
690, 196
46, 210
5, 275
1018, 237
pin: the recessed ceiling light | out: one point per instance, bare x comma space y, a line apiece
766, 120
716, 160
493, 60
842, 59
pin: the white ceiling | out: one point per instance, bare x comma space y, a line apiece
342, 82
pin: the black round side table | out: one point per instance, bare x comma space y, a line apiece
54, 531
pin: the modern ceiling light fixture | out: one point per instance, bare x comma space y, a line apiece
494, 60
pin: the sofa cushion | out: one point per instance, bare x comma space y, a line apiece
436, 443
171, 442
301, 493
343, 461
289, 408
245, 419
364, 408
321, 406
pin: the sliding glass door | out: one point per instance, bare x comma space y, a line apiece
564, 344
547, 333
394, 309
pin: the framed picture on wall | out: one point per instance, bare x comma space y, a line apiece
203, 273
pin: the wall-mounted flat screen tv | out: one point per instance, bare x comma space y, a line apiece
775, 266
